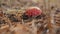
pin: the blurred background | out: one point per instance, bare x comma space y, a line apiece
51, 9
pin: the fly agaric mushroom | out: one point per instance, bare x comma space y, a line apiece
32, 12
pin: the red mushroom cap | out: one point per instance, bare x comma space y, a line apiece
33, 11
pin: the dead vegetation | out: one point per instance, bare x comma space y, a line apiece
11, 21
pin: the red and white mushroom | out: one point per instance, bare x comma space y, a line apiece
33, 11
